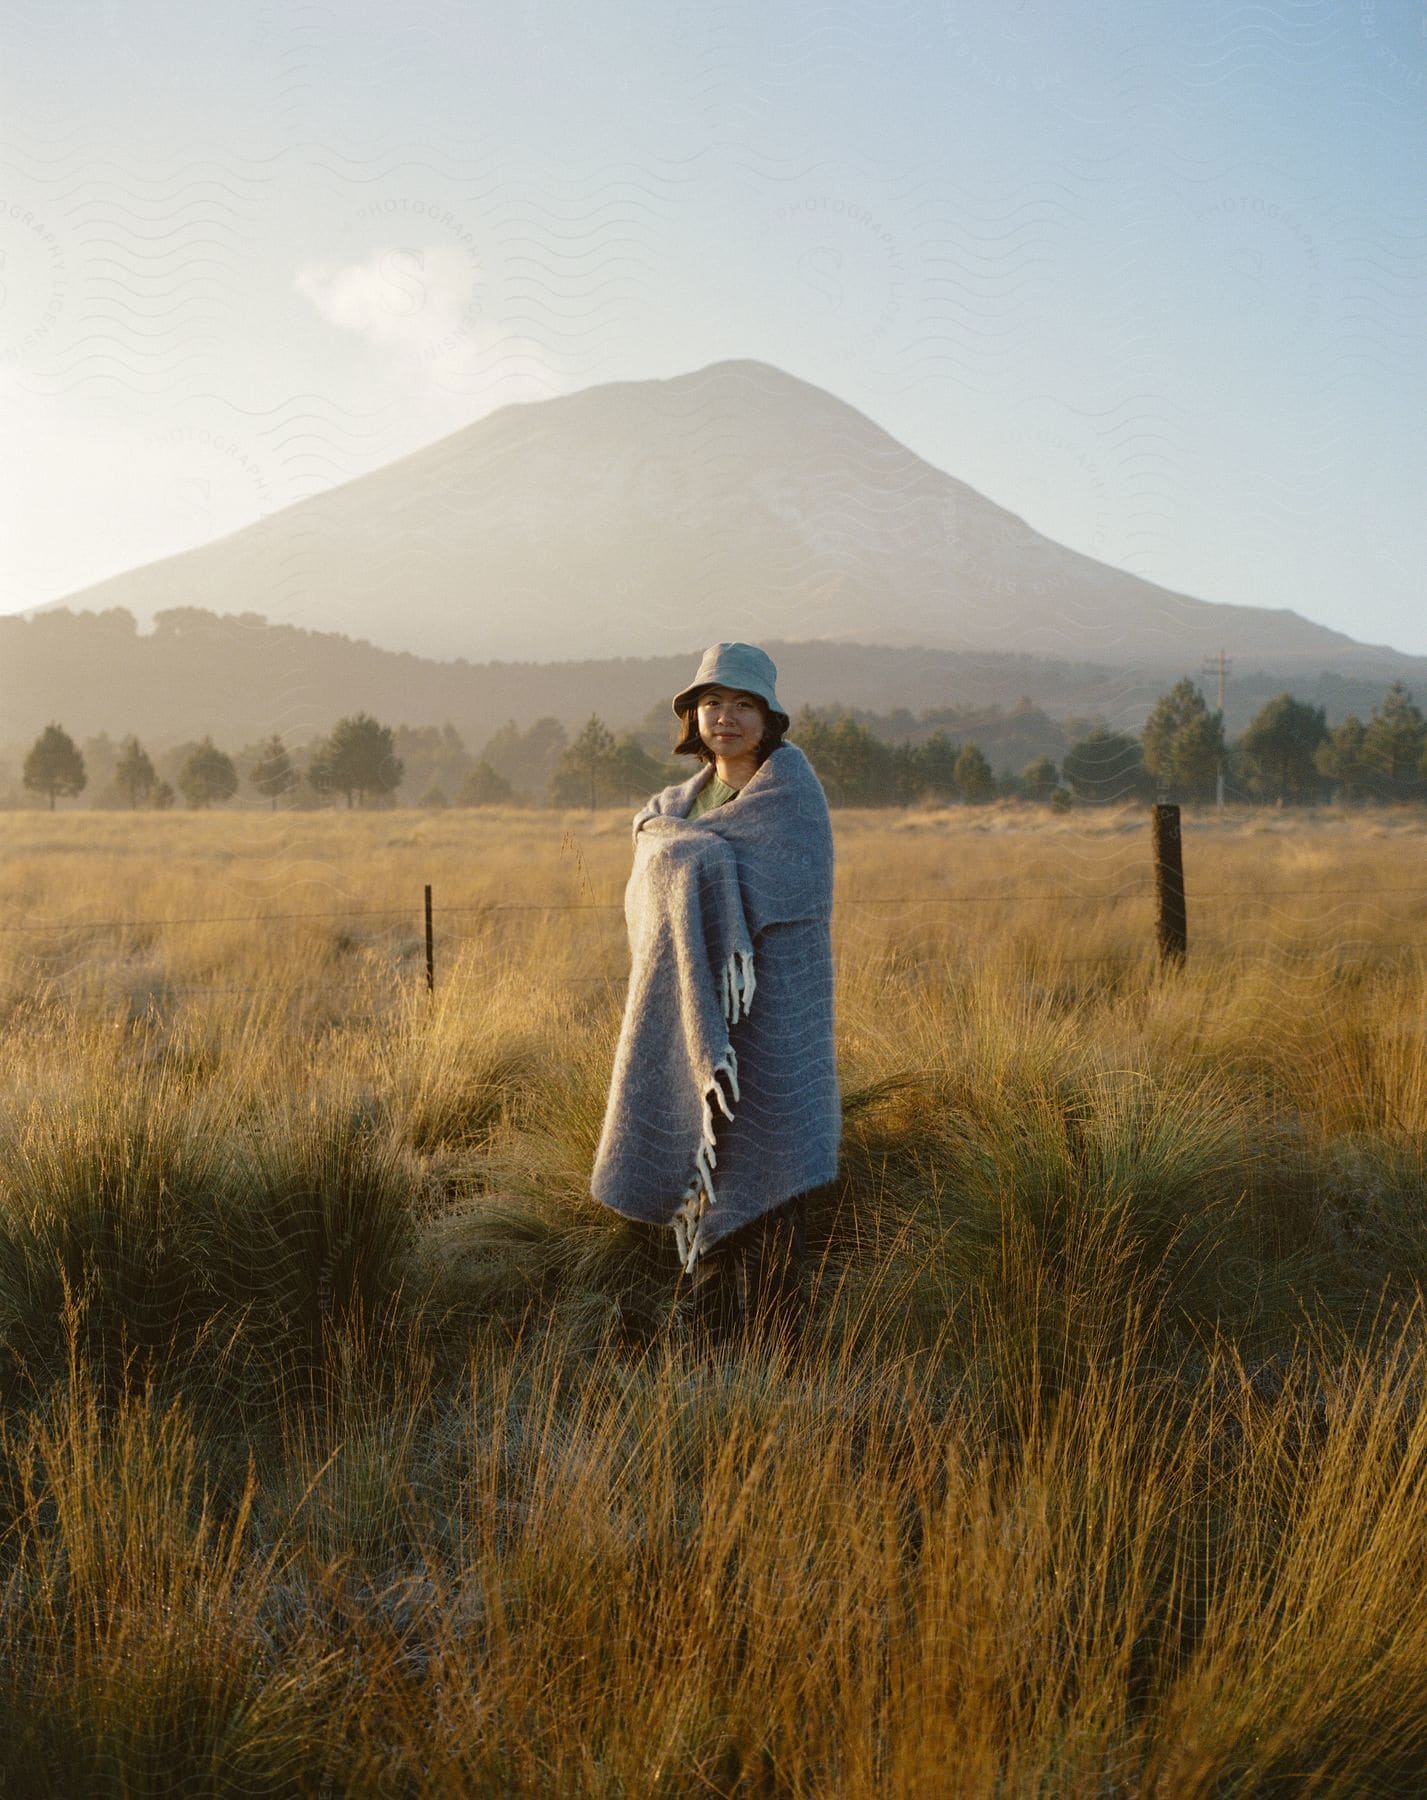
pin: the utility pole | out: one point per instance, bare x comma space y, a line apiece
1219, 665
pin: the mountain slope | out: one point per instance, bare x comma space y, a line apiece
647, 518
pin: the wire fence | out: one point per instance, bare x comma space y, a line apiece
492, 906
1167, 895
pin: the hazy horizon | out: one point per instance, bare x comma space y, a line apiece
1151, 284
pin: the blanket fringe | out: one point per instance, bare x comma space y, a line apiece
688, 1227
688, 1221
736, 986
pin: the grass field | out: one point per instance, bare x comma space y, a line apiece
347, 1446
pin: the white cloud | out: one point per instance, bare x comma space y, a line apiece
406, 297
422, 307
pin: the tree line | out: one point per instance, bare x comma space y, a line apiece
362, 763
1286, 756
356, 761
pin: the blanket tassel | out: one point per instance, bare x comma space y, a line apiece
736, 984
688, 1221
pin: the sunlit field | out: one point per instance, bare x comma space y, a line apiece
348, 1446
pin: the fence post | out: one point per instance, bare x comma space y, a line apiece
430, 950
1171, 918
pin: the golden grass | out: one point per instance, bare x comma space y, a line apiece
345, 1441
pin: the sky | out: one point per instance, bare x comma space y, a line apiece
1152, 277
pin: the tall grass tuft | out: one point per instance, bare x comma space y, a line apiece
136, 1656
102, 1196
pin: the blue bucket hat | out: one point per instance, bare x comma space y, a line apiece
743, 667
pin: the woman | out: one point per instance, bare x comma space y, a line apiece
724, 1107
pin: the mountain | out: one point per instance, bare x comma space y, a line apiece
648, 518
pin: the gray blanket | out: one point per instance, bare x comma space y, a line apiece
724, 1100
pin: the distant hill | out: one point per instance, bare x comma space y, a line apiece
242, 677
642, 519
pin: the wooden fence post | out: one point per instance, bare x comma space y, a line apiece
1171, 918
430, 948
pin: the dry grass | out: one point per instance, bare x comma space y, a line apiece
345, 1442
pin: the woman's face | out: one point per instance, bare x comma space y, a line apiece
730, 722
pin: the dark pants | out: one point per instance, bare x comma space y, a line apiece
751, 1282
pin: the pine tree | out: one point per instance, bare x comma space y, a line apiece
1105, 767
54, 765
1393, 744
320, 777
815, 739
1279, 747
527, 759
906, 781
586, 772
1038, 780
864, 763
1183, 743
1341, 760
936, 765
134, 774
207, 775
634, 773
358, 759
484, 786
432, 757
974, 780
273, 774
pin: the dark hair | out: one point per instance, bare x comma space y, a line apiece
691, 744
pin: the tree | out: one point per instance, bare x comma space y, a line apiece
1341, 759
1038, 779
101, 758
1393, 743
863, 763
586, 772
273, 774
633, 771
134, 774
484, 786
856, 767
174, 621
814, 737
358, 759
974, 780
527, 759
207, 775
936, 765
54, 765
320, 775
432, 757
906, 787
1183, 743
1198, 756
1105, 767
1279, 748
